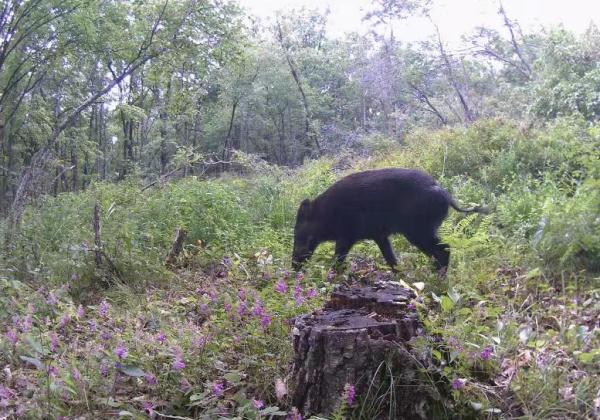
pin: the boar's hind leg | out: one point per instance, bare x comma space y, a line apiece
386, 249
430, 245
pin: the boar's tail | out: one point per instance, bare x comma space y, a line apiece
455, 206
474, 209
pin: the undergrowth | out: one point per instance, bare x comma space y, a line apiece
517, 319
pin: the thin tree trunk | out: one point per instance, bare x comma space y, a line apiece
468, 115
226, 143
295, 75
97, 238
75, 167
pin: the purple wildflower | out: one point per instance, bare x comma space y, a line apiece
52, 371
106, 335
312, 293
104, 369
242, 294
218, 388
149, 408
104, 308
411, 307
64, 320
6, 394
93, 325
294, 415
258, 309
53, 342
281, 287
349, 394
486, 354
286, 274
80, 312
299, 277
121, 352
241, 309
178, 364
150, 379
26, 323
184, 385
265, 320
298, 292
258, 404
51, 299
199, 341
331, 275
228, 307
458, 383
12, 336
76, 374
161, 337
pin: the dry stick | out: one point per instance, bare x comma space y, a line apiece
176, 248
97, 240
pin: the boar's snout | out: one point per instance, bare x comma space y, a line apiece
299, 258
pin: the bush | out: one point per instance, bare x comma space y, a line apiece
568, 239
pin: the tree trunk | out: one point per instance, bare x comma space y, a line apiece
97, 235
74, 167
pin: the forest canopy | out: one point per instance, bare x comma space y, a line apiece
94, 91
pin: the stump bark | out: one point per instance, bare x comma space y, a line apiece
360, 338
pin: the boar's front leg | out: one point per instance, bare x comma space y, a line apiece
388, 253
342, 248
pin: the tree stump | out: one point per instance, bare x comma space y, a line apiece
359, 338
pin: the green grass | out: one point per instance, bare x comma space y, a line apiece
517, 317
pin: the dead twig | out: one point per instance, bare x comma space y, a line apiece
176, 248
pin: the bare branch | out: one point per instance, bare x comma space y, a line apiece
509, 24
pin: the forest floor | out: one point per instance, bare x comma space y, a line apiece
215, 341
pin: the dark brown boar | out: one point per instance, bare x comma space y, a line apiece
373, 205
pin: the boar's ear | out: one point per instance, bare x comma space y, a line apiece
304, 209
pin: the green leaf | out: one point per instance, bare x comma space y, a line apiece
233, 377
493, 410
133, 371
454, 295
35, 345
586, 357
34, 361
272, 411
476, 406
447, 304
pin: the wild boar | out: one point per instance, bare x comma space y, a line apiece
373, 205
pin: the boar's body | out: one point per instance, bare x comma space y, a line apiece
373, 205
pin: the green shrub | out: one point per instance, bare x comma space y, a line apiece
568, 239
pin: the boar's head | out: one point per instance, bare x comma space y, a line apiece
305, 235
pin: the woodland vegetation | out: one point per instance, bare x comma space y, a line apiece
124, 121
